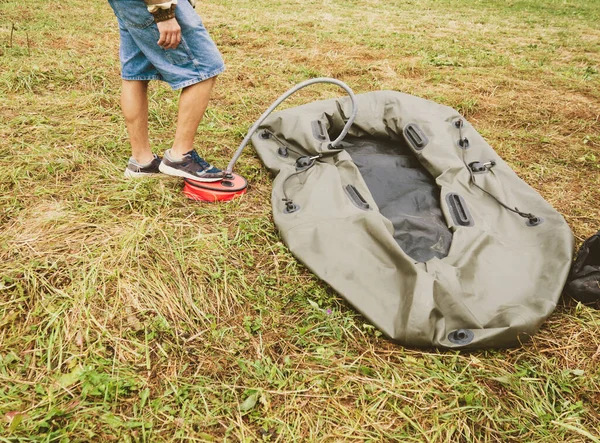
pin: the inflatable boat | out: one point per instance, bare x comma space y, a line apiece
415, 220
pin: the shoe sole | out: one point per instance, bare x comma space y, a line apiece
132, 174
168, 170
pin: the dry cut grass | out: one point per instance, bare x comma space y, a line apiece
128, 313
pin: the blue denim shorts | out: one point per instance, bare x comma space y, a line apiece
194, 60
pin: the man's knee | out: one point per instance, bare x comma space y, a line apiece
135, 85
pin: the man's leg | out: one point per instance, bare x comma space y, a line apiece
182, 160
134, 104
192, 104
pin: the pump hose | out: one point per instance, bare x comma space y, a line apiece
277, 102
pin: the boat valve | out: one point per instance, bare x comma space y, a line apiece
290, 206
480, 168
306, 162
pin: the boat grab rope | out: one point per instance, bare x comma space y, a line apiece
463, 142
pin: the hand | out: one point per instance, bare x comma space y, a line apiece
170, 34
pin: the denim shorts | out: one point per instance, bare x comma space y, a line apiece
194, 60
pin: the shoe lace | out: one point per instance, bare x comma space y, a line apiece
203, 163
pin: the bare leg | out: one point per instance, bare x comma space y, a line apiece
192, 104
134, 104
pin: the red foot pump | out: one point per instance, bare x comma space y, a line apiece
234, 185
224, 190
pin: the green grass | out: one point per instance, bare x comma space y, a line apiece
128, 313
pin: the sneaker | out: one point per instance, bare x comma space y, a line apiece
191, 166
136, 170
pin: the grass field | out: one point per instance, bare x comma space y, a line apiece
128, 313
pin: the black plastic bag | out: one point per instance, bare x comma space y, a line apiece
583, 283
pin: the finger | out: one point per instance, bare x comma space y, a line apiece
176, 40
165, 38
168, 41
172, 40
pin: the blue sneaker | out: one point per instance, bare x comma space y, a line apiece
191, 166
